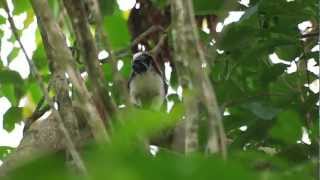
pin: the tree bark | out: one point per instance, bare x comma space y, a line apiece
193, 76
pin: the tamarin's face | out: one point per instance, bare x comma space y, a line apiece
146, 84
141, 63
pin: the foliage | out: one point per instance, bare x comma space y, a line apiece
275, 106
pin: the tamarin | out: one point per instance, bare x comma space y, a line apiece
147, 87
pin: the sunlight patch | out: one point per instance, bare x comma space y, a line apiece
125, 5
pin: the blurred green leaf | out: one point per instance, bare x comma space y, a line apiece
2, 20
107, 7
10, 77
35, 90
12, 39
4, 151
1, 35
205, 7
11, 117
11, 85
160, 3
262, 110
40, 59
288, 52
117, 30
30, 18
20, 6
142, 124
288, 127
107, 71
237, 36
8, 90
272, 73
13, 54
49, 167
126, 69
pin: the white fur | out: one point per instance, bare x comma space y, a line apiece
147, 85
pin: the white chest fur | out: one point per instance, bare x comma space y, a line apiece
147, 87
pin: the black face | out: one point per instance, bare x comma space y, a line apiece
142, 63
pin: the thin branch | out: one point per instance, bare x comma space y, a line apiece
126, 51
153, 29
70, 145
157, 49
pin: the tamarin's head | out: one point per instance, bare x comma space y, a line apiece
142, 61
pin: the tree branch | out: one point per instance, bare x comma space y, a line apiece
59, 116
191, 67
88, 49
57, 49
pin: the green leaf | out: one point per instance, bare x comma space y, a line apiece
11, 117
160, 3
35, 91
144, 123
237, 36
20, 6
13, 54
4, 151
12, 39
228, 91
29, 19
107, 71
2, 20
10, 77
271, 74
126, 69
1, 35
288, 52
262, 110
287, 127
7, 90
285, 90
205, 7
107, 7
40, 59
117, 30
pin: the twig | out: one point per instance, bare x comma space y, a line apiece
71, 147
126, 51
144, 35
157, 49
